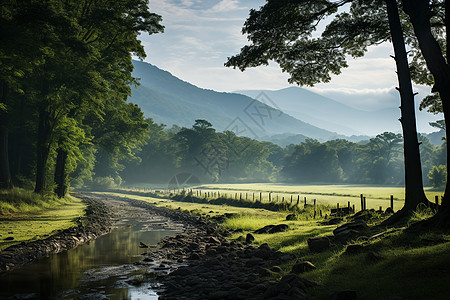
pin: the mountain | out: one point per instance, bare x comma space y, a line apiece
169, 100
332, 115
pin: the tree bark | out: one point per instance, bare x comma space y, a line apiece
43, 136
414, 193
419, 14
60, 173
5, 174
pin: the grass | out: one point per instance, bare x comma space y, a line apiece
26, 216
397, 264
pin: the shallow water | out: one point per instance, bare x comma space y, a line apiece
100, 269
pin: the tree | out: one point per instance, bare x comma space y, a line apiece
438, 176
435, 51
313, 162
284, 31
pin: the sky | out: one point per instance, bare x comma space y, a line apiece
200, 35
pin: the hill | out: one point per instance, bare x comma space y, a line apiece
170, 100
333, 115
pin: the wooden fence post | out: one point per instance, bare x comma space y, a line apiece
392, 202
436, 200
365, 204
362, 202
314, 208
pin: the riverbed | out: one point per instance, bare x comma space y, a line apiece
103, 268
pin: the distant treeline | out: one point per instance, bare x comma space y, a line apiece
225, 157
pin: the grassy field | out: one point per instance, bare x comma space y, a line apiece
397, 264
26, 216
327, 195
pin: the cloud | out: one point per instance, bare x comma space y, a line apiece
226, 6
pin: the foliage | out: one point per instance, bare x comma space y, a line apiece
66, 68
438, 176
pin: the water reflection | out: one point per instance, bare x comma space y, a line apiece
59, 276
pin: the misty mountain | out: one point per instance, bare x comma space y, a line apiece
332, 115
169, 100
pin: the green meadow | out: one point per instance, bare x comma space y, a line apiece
26, 216
390, 265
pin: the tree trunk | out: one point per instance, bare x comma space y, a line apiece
414, 193
43, 136
419, 14
60, 173
5, 174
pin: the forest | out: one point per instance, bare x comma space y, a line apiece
316, 220
224, 157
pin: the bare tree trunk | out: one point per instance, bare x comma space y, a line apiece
43, 136
5, 174
414, 193
60, 173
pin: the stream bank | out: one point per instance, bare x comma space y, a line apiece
96, 222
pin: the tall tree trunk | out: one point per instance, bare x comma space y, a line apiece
43, 136
414, 193
5, 174
60, 173
419, 14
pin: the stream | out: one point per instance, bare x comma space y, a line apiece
101, 269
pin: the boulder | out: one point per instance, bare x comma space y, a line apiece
279, 228
265, 229
358, 226
302, 267
389, 211
354, 249
318, 244
250, 238
332, 221
291, 217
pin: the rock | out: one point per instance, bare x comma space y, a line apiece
241, 239
389, 211
9, 238
318, 244
276, 269
214, 240
253, 261
263, 272
302, 267
142, 245
358, 226
332, 221
283, 287
265, 246
265, 229
194, 256
291, 217
279, 228
218, 295
250, 238
343, 295
346, 235
271, 292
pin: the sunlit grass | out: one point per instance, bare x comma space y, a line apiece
19, 200
29, 217
396, 264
